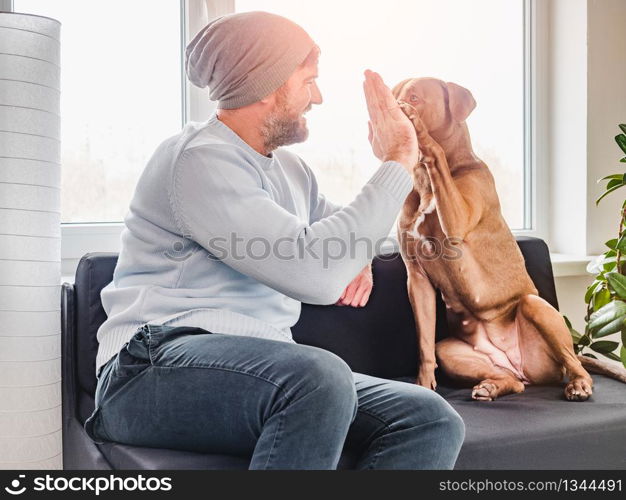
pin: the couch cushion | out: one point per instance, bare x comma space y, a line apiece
539, 266
122, 456
378, 339
94, 272
539, 429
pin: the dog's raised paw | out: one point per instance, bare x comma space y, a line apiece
578, 389
485, 391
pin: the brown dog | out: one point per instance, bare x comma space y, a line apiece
503, 335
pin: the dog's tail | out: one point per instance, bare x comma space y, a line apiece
603, 368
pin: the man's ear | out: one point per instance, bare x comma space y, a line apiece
460, 101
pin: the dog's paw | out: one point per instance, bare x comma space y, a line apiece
578, 389
408, 110
487, 390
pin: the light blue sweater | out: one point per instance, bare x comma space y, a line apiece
202, 188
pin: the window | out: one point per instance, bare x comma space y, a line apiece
477, 44
122, 93
121, 96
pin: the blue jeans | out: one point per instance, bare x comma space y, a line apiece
288, 406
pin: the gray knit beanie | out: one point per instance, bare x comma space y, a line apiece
244, 57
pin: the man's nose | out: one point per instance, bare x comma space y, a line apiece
316, 95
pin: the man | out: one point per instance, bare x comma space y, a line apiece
197, 353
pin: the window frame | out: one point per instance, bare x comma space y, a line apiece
537, 215
81, 238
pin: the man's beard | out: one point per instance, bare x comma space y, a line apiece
280, 128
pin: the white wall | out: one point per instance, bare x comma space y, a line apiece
587, 99
570, 291
587, 89
567, 118
606, 108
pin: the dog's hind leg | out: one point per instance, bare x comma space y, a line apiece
462, 363
536, 313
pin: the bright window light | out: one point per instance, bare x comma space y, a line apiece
478, 44
121, 96
122, 93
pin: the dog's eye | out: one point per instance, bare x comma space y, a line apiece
414, 98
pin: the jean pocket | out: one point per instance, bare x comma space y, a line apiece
131, 360
133, 357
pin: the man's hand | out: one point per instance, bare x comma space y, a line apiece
426, 377
391, 133
358, 291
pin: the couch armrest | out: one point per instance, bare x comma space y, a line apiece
68, 372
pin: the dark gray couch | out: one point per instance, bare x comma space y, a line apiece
534, 430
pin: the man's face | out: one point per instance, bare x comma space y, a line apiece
285, 123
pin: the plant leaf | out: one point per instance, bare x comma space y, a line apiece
575, 335
623, 355
614, 310
596, 266
591, 290
567, 321
622, 126
613, 327
621, 243
608, 191
612, 355
589, 355
609, 266
612, 176
621, 141
617, 282
604, 346
601, 298
612, 243
623, 160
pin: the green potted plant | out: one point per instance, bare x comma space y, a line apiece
606, 296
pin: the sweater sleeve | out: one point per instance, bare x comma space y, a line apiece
219, 202
320, 206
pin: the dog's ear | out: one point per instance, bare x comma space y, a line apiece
398, 87
460, 101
